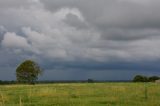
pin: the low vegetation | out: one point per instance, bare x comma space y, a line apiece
81, 94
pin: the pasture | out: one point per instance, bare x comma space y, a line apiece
81, 94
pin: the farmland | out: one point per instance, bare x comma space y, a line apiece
81, 94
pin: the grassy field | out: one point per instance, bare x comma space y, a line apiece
81, 94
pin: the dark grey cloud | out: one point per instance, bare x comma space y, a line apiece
75, 22
130, 34
81, 36
118, 19
114, 13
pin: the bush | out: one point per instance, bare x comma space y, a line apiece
90, 80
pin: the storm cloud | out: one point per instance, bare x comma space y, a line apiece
81, 36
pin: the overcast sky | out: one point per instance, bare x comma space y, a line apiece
81, 39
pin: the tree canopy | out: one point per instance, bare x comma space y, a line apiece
141, 78
28, 71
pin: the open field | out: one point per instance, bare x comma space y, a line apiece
81, 94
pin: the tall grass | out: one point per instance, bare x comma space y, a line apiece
2, 100
81, 94
20, 101
146, 91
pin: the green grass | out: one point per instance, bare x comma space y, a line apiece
81, 94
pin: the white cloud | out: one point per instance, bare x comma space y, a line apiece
47, 34
62, 13
11, 40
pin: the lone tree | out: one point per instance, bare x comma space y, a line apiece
27, 72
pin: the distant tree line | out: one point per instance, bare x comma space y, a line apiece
51, 81
142, 78
7, 82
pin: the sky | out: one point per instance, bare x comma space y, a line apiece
81, 39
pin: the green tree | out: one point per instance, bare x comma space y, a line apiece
140, 78
153, 78
27, 72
